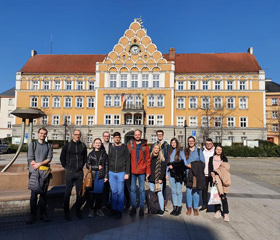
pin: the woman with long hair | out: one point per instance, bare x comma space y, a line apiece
193, 154
157, 174
175, 175
218, 165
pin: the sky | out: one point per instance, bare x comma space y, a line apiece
94, 27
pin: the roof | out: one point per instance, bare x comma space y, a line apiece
10, 92
184, 63
271, 86
214, 62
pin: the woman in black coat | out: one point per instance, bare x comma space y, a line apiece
98, 160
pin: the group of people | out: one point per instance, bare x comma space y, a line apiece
116, 167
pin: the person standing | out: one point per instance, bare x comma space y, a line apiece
106, 141
119, 170
73, 158
40, 153
208, 152
140, 169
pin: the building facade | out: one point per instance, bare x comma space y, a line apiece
136, 86
7, 105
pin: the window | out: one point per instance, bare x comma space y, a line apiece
205, 102
218, 139
193, 85
160, 101
46, 85
34, 102
231, 138
9, 125
192, 102
138, 101
274, 101
89, 138
107, 119
145, 80
108, 101
45, 102
151, 120
9, 113
90, 120
80, 85
78, 120
79, 102
193, 121
123, 81
180, 85
230, 85
242, 85
67, 102
138, 119
180, 103
160, 121
68, 85
156, 80
116, 119
205, 121
153, 138
243, 103
274, 114
113, 80
57, 85
55, 120
128, 119
181, 139
230, 102
151, 101
180, 121
90, 102
67, 119
243, 122
91, 85
56, 102
218, 102
217, 85
230, 122
44, 120
243, 139
54, 136
155, 120
35, 85
205, 85
134, 81
218, 121
11, 102
129, 101
275, 127
117, 101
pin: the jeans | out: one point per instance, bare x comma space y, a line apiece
117, 187
176, 190
205, 192
159, 194
133, 188
71, 179
224, 203
192, 197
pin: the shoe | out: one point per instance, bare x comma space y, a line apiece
100, 213
112, 212
178, 211
141, 212
132, 211
79, 215
45, 218
67, 217
174, 210
31, 219
160, 213
226, 217
203, 208
118, 215
218, 214
91, 213
195, 212
189, 212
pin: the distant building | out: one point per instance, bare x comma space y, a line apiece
219, 95
272, 110
7, 105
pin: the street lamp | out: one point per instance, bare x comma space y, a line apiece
65, 125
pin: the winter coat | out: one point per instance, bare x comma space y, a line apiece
164, 149
94, 162
153, 169
210, 164
223, 177
119, 159
197, 170
39, 180
144, 162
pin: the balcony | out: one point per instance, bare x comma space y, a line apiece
133, 107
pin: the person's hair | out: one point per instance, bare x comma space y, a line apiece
97, 139
116, 134
160, 155
222, 154
160, 131
209, 140
138, 131
177, 153
44, 129
105, 132
77, 130
187, 150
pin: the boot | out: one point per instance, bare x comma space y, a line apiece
195, 212
178, 211
174, 210
189, 212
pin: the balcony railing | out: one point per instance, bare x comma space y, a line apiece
133, 107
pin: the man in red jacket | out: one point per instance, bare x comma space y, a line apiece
140, 168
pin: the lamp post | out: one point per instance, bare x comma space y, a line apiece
185, 127
65, 125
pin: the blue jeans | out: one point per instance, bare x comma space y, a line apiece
117, 187
192, 197
159, 194
133, 188
176, 190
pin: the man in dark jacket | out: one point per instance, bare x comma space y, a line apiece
73, 158
119, 170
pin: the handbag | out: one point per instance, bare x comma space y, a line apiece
194, 182
214, 196
157, 187
87, 184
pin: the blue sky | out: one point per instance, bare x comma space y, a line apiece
94, 27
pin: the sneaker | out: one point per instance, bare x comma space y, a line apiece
141, 212
195, 212
203, 208
218, 214
31, 219
132, 211
100, 213
189, 212
91, 213
226, 217
160, 213
45, 218
67, 217
118, 215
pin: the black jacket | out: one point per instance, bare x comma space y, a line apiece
119, 159
197, 170
211, 168
153, 169
73, 156
178, 170
103, 161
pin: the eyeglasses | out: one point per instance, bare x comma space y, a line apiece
77, 134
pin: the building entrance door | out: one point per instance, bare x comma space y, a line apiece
129, 136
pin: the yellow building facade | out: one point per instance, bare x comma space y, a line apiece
135, 86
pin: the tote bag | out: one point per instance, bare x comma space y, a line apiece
214, 196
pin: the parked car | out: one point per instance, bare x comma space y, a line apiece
4, 146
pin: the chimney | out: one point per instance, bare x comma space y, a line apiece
172, 53
250, 50
33, 53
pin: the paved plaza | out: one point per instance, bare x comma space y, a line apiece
254, 204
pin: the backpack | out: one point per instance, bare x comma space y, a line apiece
152, 202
